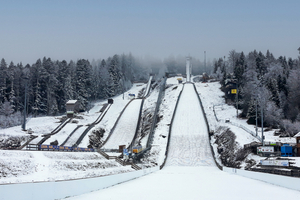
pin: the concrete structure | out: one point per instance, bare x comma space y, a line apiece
188, 69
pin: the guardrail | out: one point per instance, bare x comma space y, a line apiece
284, 181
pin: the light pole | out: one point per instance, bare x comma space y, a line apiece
237, 98
256, 115
262, 126
25, 106
205, 61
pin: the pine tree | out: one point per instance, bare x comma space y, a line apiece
83, 82
3, 78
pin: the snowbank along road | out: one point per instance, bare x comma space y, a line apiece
190, 171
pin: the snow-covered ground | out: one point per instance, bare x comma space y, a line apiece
126, 127
190, 172
28, 166
198, 180
212, 98
36, 166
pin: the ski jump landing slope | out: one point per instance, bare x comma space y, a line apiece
126, 127
189, 143
190, 171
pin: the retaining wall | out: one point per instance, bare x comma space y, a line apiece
63, 189
283, 181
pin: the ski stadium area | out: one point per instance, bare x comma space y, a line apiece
181, 164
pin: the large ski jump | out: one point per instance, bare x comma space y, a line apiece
189, 143
190, 171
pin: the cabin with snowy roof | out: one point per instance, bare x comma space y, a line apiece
72, 107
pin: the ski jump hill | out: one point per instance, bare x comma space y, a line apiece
189, 171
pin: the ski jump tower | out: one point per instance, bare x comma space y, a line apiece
188, 69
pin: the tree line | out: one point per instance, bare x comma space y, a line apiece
47, 85
264, 83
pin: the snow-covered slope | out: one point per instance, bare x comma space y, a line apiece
35, 166
190, 172
126, 127
189, 143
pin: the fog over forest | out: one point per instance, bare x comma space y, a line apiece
262, 79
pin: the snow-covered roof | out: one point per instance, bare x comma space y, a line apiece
71, 101
297, 135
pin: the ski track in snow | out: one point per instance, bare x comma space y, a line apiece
125, 129
189, 143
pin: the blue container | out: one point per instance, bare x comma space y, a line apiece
286, 150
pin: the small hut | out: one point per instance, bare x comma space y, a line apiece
72, 107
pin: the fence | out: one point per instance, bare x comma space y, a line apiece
245, 129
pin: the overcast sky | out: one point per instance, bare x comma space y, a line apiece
72, 29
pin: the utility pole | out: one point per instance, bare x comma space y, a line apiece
237, 99
205, 61
262, 126
256, 116
25, 108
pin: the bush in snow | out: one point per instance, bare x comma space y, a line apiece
95, 137
231, 154
12, 142
288, 128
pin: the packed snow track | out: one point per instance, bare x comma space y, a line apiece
189, 143
124, 131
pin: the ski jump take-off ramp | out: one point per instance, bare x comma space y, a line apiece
190, 171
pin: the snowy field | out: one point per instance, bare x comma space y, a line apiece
29, 166
185, 177
37, 166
